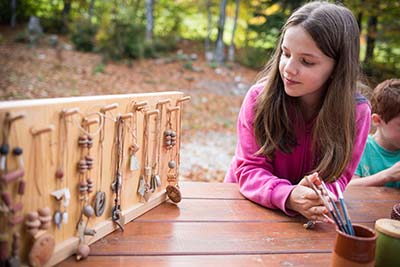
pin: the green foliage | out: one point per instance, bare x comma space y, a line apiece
377, 72
254, 57
99, 68
119, 39
21, 37
82, 35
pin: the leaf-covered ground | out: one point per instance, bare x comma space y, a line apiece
208, 121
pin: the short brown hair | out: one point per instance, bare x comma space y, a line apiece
385, 100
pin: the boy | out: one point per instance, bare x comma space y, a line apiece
380, 162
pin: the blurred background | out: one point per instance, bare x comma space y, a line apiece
211, 50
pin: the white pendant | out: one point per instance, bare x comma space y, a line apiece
142, 186
134, 164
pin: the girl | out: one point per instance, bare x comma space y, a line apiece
305, 116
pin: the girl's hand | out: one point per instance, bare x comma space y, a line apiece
305, 201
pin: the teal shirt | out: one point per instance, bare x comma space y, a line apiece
375, 159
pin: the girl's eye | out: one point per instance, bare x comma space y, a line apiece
285, 54
306, 62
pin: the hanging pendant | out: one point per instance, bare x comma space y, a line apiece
142, 186
133, 164
158, 180
152, 183
57, 219
65, 217
174, 193
100, 204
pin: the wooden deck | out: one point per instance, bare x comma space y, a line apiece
215, 225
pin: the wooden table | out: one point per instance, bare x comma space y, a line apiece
214, 225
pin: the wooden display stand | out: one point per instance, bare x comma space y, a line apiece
48, 131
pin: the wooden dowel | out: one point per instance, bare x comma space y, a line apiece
109, 107
125, 116
88, 122
17, 116
140, 105
172, 109
69, 112
183, 99
153, 112
42, 130
163, 102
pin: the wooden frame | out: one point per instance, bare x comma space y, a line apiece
35, 126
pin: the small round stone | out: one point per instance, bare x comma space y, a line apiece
171, 164
59, 173
88, 211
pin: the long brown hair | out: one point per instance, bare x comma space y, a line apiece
335, 31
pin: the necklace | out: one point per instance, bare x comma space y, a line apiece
116, 213
134, 147
101, 198
10, 209
170, 137
62, 194
144, 187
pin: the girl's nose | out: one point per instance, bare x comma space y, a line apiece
291, 67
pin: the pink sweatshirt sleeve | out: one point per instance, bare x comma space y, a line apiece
255, 174
363, 123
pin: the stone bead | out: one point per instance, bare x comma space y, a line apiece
82, 252
59, 173
88, 211
171, 164
42, 250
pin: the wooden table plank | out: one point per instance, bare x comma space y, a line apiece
242, 210
298, 260
211, 210
210, 190
182, 238
371, 193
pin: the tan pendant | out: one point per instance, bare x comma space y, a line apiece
174, 193
42, 250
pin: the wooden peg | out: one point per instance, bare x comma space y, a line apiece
183, 99
152, 112
140, 105
172, 109
88, 122
49, 128
17, 116
69, 112
109, 107
125, 116
163, 102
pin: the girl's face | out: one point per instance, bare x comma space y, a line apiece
303, 67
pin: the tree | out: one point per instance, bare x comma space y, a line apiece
219, 54
13, 12
231, 53
149, 20
207, 41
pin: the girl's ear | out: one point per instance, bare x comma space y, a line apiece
376, 119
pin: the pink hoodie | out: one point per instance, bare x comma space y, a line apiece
269, 182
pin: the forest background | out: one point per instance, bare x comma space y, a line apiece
211, 50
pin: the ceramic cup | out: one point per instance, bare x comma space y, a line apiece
354, 251
388, 243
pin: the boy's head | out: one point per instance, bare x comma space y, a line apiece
385, 99
385, 102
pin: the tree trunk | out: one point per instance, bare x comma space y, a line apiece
13, 13
231, 53
91, 8
149, 20
359, 20
371, 38
207, 42
65, 15
219, 47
